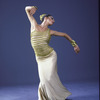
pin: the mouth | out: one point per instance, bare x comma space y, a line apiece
53, 21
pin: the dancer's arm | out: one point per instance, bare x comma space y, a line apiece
30, 10
56, 33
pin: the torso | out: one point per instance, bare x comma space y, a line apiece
40, 40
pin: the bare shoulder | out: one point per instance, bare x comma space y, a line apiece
32, 28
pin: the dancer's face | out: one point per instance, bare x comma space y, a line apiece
50, 20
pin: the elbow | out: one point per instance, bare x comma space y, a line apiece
64, 35
27, 8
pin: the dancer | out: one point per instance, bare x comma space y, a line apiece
50, 86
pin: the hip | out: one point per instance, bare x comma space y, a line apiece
50, 55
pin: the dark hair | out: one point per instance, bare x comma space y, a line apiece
47, 15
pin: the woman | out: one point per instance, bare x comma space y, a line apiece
50, 86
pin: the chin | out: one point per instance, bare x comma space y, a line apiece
50, 24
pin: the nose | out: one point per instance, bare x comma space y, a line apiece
53, 20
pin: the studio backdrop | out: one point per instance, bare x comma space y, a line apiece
77, 18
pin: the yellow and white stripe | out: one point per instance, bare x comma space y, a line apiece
40, 41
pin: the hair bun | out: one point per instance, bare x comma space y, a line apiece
41, 16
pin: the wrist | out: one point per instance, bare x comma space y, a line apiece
34, 7
73, 43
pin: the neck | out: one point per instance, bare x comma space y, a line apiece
44, 25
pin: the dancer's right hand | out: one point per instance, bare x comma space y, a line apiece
33, 10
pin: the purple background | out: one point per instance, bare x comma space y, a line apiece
77, 18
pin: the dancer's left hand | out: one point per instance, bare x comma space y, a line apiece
77, 49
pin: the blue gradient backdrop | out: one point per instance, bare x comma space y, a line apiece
78, 18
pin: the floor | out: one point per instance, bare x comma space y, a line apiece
80, 91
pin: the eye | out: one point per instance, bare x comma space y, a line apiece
52, 18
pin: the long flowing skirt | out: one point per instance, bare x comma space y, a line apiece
50, 86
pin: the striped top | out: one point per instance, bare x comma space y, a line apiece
40, 41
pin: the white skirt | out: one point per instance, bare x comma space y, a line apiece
50, 86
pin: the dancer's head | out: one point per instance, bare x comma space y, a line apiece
47, 18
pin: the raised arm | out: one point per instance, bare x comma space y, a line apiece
30, 10
56, 33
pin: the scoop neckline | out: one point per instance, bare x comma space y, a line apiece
39, 31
